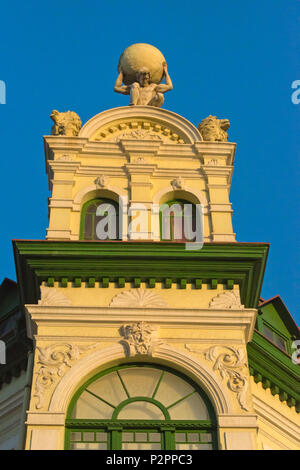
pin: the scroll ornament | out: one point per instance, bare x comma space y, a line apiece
230, 362
55, 360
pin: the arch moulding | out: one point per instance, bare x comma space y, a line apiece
167, 118
163, 354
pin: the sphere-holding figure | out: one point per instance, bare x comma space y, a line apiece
141, 68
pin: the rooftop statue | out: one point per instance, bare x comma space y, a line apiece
141, 69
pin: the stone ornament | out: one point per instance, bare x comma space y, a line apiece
177, 183
102, 181
138, 130
50, 296
54, 360
141, 69
227, 300
139, 338
213, 129
138, 298
67, 124
229, 362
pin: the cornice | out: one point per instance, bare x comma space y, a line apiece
66, 315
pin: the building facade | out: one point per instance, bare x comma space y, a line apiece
140, 341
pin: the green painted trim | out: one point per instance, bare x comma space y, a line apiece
119, 408
275, 369
115, 426
38, 261
85, 208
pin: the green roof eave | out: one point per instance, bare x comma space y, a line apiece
269, 363
37, 261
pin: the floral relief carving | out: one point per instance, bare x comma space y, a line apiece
55, 360
137, 298
139, 338
50, 296
230, 362
227, 300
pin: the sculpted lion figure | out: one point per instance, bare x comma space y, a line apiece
213, 129
67, 123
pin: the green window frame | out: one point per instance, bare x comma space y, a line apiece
128, 434
173, 219
89, 220
275, 337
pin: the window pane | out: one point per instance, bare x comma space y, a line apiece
180, 437
141, 410
154, 437
88, 436
192, 407
205, 437
193, 447
268, 333
101, 436
90, 407
140, 381
140, 446
110, 388
141, 437
280, 342
75, 436
171, 389
193, 437
127, 436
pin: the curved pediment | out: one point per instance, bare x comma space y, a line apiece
140, 123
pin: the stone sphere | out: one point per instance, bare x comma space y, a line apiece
141, 55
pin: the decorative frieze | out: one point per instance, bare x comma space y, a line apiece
138, 298
227, 300
50, 296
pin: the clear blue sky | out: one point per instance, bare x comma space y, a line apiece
234, 59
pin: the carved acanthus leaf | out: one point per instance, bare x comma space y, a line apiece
139, 338
229, 362
54, 360
50, 296
227, 300
137, 298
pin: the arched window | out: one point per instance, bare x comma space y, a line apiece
100, 220
140, 406
178, 221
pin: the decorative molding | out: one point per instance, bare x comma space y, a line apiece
177, 183
230, 363
227, 300
138, 298
168, 124
101, 181
139, 338
50, 296
55, 359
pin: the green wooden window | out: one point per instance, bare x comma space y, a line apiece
93, 224
178, 224
275, 337
140, 406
